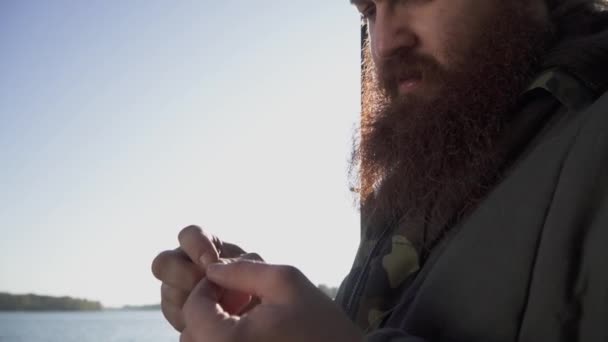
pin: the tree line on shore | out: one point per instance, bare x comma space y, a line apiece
32, 302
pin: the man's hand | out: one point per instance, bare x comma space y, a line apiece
181, 269
292, 309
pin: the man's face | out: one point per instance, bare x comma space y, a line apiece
441, 77
430, 34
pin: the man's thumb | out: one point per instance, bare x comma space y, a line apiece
271, 283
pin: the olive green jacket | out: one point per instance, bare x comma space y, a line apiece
531, 261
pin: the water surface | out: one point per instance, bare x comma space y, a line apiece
102, 326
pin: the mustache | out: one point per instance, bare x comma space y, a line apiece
403, 65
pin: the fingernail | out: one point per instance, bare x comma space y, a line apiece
207, 259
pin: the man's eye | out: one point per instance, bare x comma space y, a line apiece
369, 12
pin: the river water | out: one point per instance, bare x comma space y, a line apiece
102, 326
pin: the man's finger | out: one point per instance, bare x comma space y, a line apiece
255, 301
273, 284
199, 245
229, 250
235, 302
251, 256
173, 314
173, 295
173, 268
203, 314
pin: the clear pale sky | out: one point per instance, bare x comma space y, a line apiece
122, 122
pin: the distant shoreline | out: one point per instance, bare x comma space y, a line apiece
36, 303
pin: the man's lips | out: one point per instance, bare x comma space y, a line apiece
401, 80
408, 80
407, 85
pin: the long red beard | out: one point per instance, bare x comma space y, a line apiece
422, 162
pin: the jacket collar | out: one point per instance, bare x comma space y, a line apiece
575, 70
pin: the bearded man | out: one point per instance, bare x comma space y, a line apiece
482, 177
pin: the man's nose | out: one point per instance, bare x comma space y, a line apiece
390, 33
